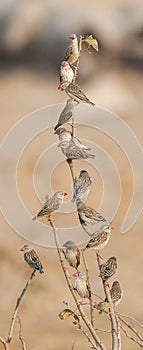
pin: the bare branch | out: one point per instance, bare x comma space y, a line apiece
77, 301
130, 337
10, 334
112, 314
92, 311
132, 319
131, 327
118, 332
4, 343
70, 163
87, 336
77, 63
23, 345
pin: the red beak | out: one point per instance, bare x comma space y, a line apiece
75, 274
65, 194
21, 250
59, 87
111, 227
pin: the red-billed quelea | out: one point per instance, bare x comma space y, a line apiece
116, 292
74, 91
80, 285
72, 254
108, 269
81, 185
100, 238
71, 151
88, 215
66, 136
67, 113
66, 73
72, 52
32, 259
51, 205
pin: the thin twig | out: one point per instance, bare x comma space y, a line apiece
70, 163
10, 334
131, 327
112, 314
4, 343
132, 319
23, 345
130, 337
78, 60
92, 311
77, 301
118, 332
87, 336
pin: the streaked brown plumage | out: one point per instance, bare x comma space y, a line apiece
116, 293
81, 185
32, 259
88, 215
74, 91
72, 254
71, 151
108, 269
100, 238
52, 204
80, 284
65, 135
72, 52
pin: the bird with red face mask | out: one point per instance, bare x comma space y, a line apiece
72, 52
66, 73
51, 205
32, 259
80, 285
75, 92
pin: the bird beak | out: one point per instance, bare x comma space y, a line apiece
59, 87
65, 194
75, 274
21, 250
111, 227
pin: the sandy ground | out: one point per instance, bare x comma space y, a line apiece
21, 93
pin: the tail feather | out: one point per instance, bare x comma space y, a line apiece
91, 155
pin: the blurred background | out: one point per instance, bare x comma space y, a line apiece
33, 38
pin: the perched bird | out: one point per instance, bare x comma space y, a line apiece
67, 113
52, 204
74, 91
72, 254
81, 185
72, 52
80, 285
66, 73
65, 135
91, 42
88, 215
71, 151
32, 259
116, 293
100, 238
108, 269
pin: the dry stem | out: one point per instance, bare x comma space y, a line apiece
92, 311
10, 334
78, 302
23, 345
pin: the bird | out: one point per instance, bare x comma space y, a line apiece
66, 73
80, 285
72, 52
81, 185
32, 259
88, 215
71, 151
116, 293
116, 296
72, 254
65, 135
75, 92
52, 204
108, 269
67, 113
100, 238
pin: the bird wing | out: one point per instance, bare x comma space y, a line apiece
68, 52
77, 92
78, 257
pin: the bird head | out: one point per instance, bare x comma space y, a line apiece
25, 248
64, 64
60, 194
59, 131
69, 244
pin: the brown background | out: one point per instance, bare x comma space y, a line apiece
34, 36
